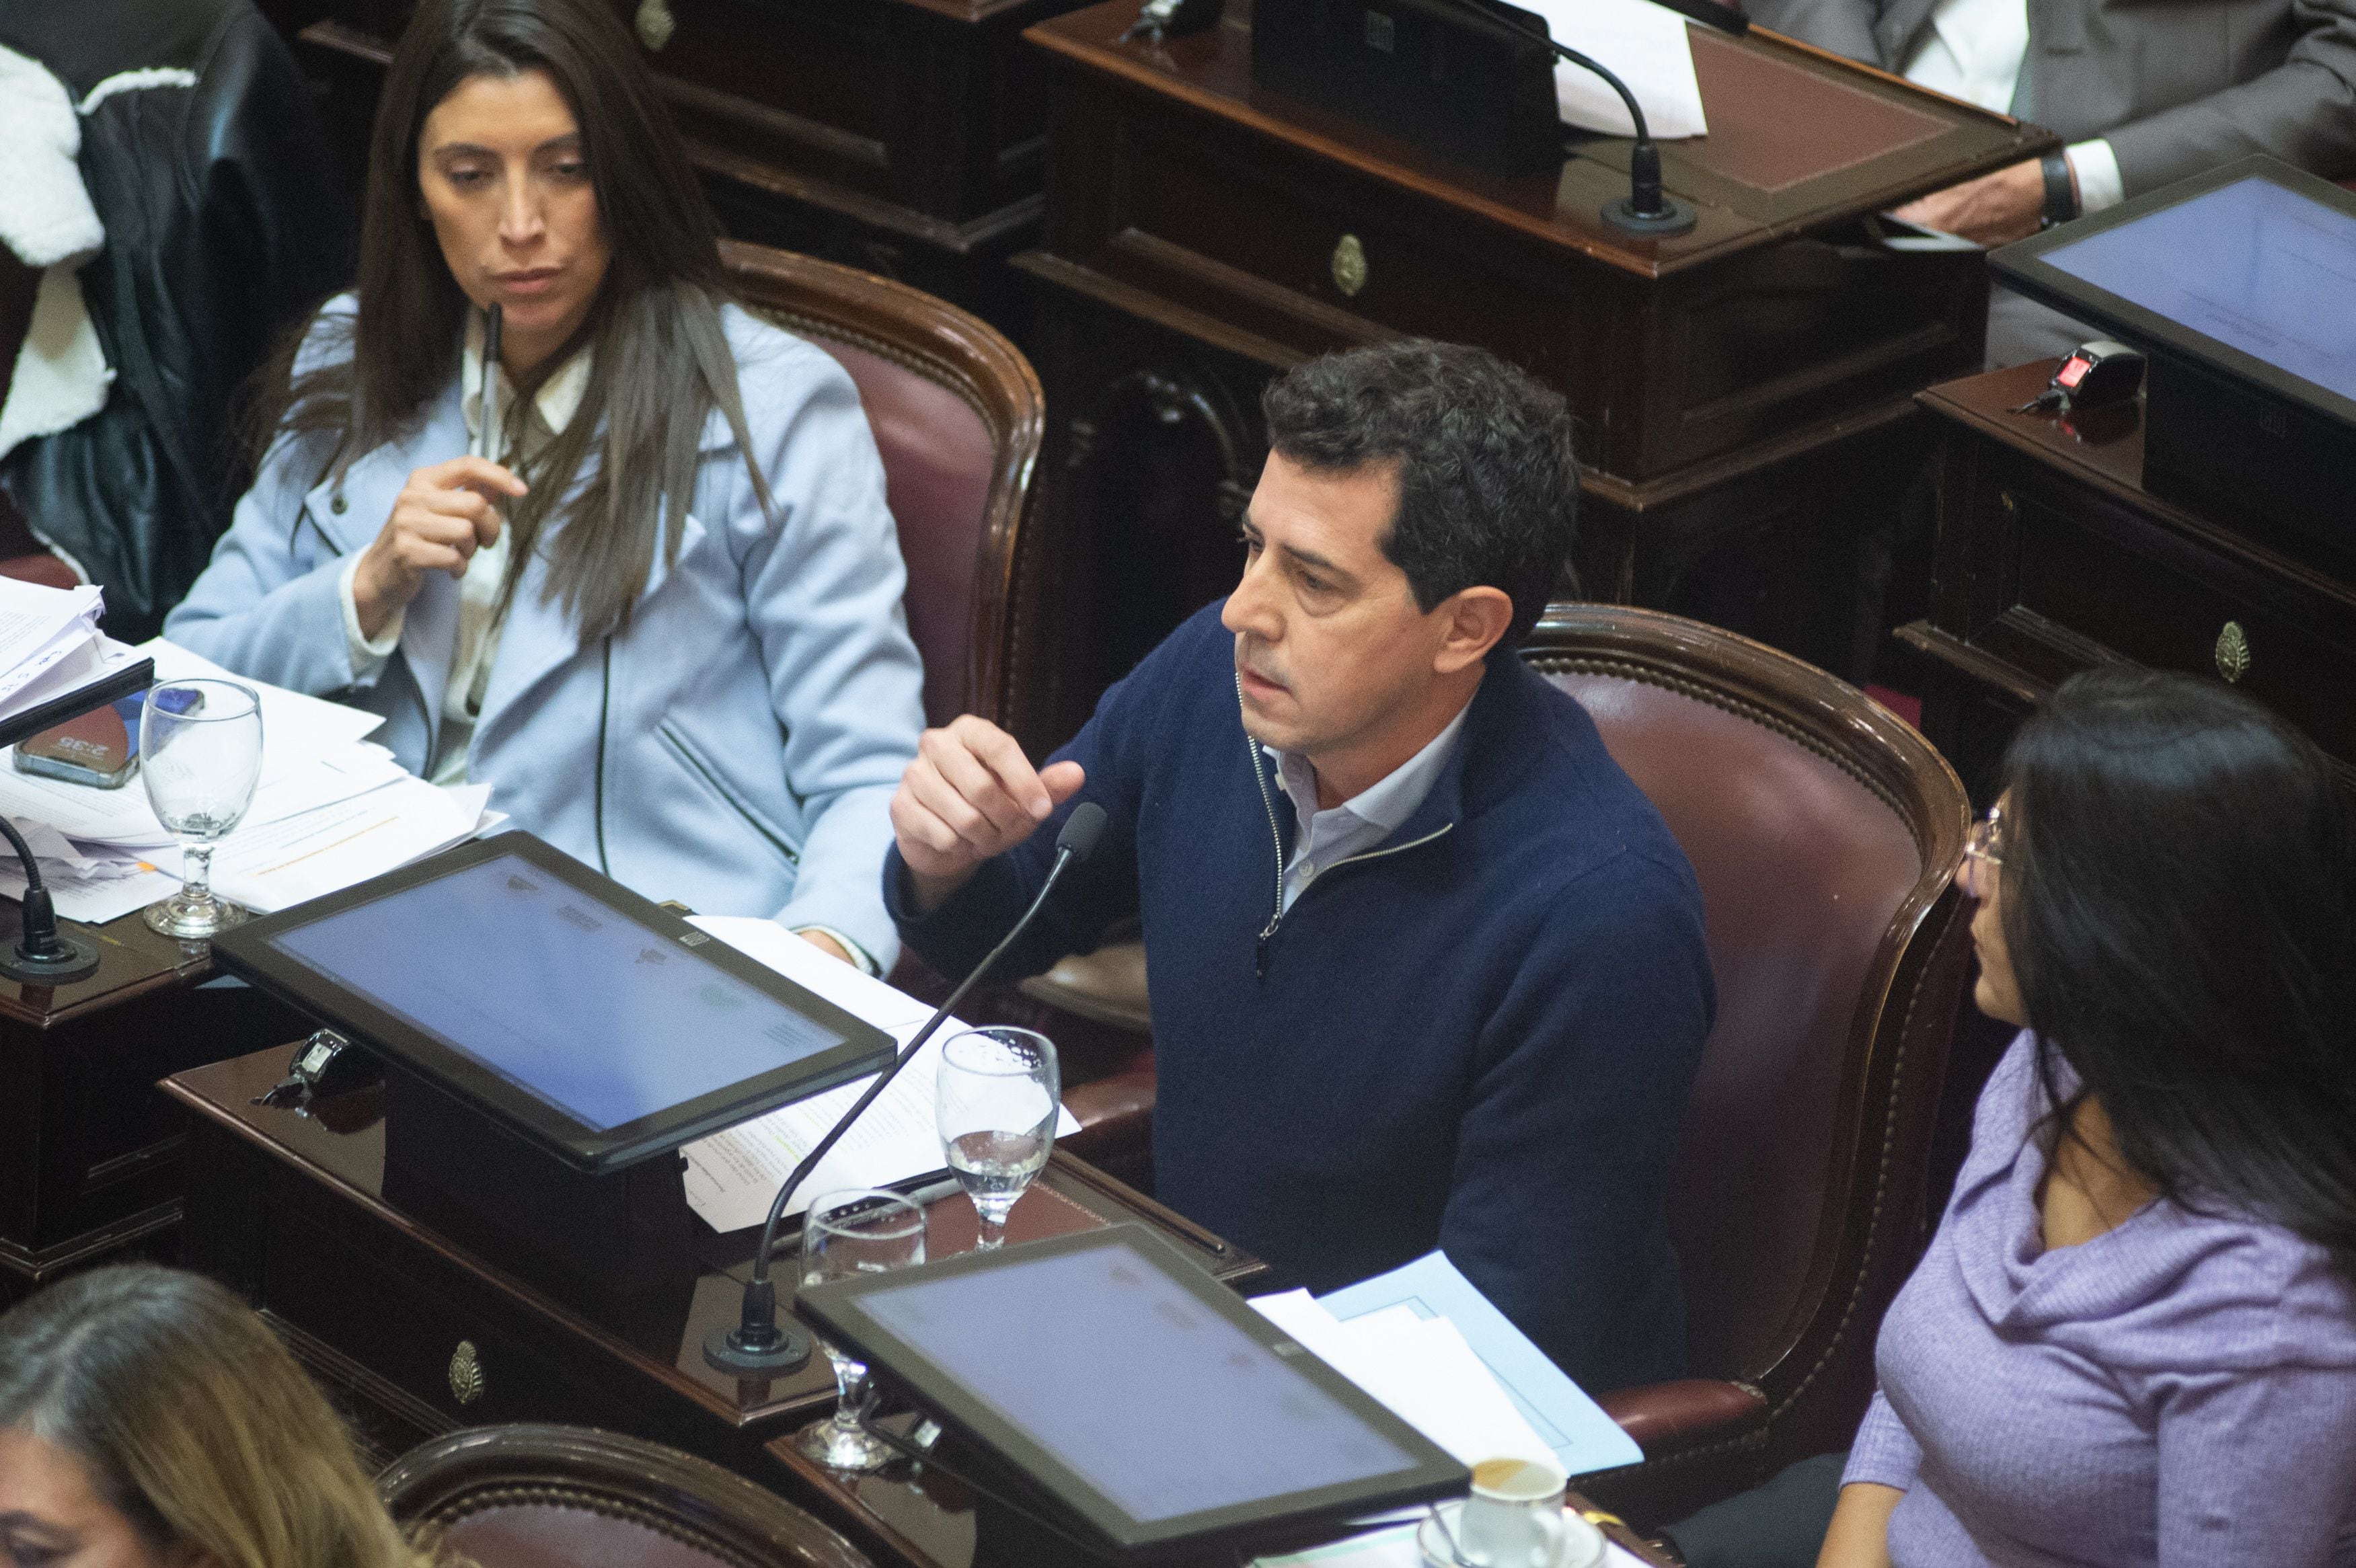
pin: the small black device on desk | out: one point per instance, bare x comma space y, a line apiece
1149, 1410
550, 1039
100, 748
2240, 284
2095, 376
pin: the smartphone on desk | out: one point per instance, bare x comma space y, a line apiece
100, 748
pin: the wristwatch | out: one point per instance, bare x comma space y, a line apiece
2061, 191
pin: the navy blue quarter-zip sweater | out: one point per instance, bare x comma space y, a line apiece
1478, 1035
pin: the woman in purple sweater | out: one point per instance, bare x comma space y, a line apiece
2133, 1340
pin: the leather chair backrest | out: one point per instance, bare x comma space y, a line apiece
569, 1496
939, 463
957, 416
1801, 868
1806, 869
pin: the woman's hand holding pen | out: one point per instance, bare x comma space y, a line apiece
445, 512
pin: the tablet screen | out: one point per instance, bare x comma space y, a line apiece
1155, 1400
2252, 264
583, 1007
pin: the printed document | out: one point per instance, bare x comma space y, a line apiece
1573, 1426
732, 1176
1644, 45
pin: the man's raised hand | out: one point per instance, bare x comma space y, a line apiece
969, 794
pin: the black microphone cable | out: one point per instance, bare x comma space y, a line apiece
757, 1345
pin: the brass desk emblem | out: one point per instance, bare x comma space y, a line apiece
465, 1373
656, 24
2233, 652
1349, 265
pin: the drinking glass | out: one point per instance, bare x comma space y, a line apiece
996, 1100
854, 1231
201, 752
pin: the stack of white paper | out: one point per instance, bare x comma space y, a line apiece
732, 1176
1393, 1546
1422, 1368
1426, 1342
49, 642
1581, 1436
331, 808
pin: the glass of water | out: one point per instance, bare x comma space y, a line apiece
996, 1098
854, 1231
200, 752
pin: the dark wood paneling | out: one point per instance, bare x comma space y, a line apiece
904, 137
1740, 394
91, 1155
2053, 556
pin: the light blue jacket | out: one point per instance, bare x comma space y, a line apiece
736, 747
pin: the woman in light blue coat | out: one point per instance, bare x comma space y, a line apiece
661, 616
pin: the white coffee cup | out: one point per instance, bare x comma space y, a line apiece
1515, 1518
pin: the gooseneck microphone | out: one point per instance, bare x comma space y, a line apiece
42, 956
1646, 209
757, 1345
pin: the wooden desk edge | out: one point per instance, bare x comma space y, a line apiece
525, 1295
2030, 141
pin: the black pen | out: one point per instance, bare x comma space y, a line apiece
486, 442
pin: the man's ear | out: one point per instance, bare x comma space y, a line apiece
1473, 620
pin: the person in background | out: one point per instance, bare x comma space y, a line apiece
664, 619
2143, 94
1427, 967
148, 1420
2132, 1342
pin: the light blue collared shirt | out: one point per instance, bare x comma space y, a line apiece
1323, 839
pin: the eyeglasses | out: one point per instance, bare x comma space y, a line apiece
1983, 840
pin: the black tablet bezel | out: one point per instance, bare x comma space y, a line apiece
249, 952
835, 1308
2022, 266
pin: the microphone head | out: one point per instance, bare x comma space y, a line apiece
1081, 831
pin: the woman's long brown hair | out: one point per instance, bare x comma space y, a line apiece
662, 358
191, 1420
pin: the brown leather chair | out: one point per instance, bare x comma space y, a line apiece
1825, 833
568, 1496
959, 417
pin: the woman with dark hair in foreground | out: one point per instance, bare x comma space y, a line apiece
2133, 1340
663, 615
148, 1420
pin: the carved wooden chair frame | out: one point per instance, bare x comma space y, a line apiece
673, 1494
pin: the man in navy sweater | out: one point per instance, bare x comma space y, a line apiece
1427, 967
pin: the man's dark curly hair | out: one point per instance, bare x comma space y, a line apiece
1488, 492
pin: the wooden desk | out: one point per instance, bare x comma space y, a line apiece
417, 1336
1741, 392
905, 137
91, 1153
2053, 556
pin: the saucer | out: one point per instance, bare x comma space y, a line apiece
1582, 1543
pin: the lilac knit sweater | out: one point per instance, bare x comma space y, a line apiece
2181, 1391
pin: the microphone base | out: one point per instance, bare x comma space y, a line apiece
1679, 218
790, 1355
78, 960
